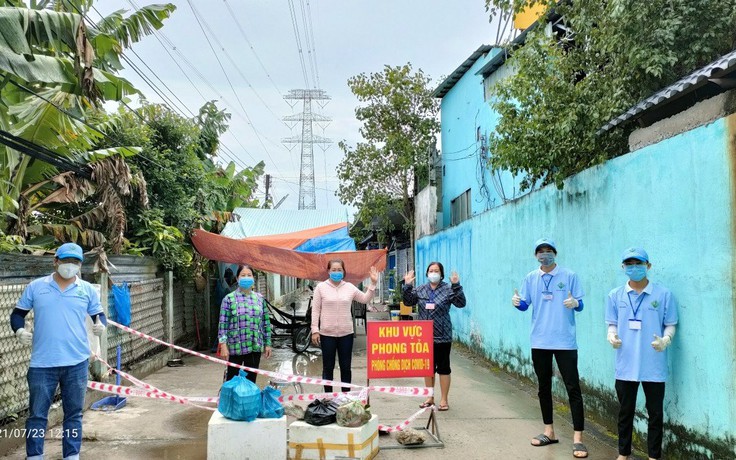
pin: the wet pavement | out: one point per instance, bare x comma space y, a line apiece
491, 414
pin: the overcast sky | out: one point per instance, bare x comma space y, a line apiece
350, 37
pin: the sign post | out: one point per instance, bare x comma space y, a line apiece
403, 349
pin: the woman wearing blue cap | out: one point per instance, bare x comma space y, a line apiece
555, 294
641, 318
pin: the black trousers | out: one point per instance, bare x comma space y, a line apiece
567, 363
654, 393
248, 360
343, 347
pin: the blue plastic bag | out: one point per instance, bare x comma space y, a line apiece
270, 405
240, 399
121, 301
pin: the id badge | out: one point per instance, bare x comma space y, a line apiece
429, 306
635, 324
547, 295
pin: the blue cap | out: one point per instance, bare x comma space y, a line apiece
635, 253
545, 242
70, 250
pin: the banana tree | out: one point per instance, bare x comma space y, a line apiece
55, 70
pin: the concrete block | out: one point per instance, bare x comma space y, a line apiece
308, 442
262, 438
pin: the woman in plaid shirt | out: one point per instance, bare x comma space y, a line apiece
244, 330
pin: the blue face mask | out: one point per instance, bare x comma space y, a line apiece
636, 272
546, 258
246, 283
337, 276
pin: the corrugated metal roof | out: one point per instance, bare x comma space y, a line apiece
262, 222
499, 59
700, 77
455, 76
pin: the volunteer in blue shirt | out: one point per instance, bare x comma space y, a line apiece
60, 350
641, 319
555, 295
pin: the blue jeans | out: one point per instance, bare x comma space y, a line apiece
343, 346
42, 384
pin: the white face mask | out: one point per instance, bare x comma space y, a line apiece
434, 277
68, 271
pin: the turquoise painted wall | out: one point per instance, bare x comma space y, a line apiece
674, 199
463, 111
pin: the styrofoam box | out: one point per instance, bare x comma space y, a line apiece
305, 441
263, 438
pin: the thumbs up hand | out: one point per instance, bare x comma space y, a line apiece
661, 343
570, 302
516, 299
98, 328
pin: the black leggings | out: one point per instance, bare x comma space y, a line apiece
343, 346
567, 363
249, 360
654, 393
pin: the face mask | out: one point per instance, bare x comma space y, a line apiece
245, 283
636, 272
336, 276
434, 277
546, 258
68, 271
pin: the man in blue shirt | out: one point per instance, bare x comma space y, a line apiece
60, 353
636, 313
555, 294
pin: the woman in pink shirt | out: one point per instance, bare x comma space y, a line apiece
332, 319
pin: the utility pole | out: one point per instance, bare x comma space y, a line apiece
307, 140
268, 188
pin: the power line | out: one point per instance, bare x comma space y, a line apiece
227, 78
309, 39
295, 26
44, 154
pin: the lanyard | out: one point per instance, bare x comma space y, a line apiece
638, 306
547, 281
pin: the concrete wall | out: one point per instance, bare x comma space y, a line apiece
676, 199
464, 159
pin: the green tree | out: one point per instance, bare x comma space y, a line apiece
568, 85
399, 123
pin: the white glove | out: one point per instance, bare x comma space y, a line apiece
98, 328
570, 302
614, 340
24, 337
661, 343
516, 299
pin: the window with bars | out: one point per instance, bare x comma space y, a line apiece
460, 207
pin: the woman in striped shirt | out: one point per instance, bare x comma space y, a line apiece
332, 320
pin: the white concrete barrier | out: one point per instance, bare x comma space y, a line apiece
263, 438
309, 442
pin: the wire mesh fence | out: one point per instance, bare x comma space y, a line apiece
14, 358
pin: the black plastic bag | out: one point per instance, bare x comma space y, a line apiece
321, 412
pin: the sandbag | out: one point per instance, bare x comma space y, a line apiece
320, 412
240, 399
270, 405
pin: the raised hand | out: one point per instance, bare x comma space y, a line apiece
516, 299
409, 277
374, 276
454, 278
570, 302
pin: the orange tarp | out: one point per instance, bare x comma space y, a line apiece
294, 239
305, 265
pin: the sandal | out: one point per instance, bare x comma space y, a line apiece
579, 447
544, 440
443, 407
426, 404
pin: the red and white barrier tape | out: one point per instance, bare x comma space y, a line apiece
142, 393
401, 391
401, 426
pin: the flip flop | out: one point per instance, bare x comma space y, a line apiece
544, 440
579, 447
426, 404
443, 408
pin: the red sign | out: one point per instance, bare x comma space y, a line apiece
400, 349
